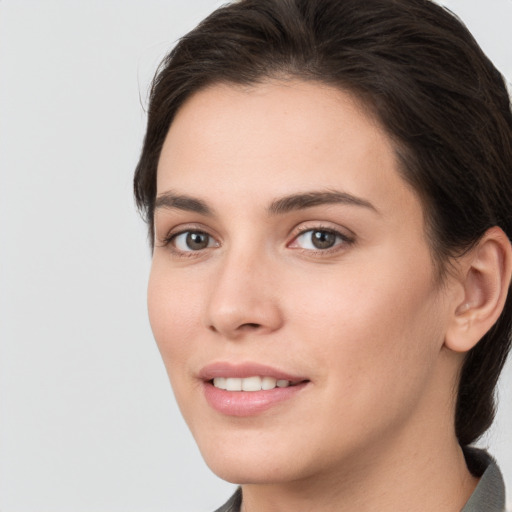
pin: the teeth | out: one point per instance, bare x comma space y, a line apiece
234, 384
219, 382
268, 383
249, 383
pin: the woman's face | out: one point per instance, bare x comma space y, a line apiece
291, 261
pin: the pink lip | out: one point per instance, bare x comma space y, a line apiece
247, 403
224, 369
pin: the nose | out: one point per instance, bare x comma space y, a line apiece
243, 297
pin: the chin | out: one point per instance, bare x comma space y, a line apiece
240, 474
255, 461
243, 471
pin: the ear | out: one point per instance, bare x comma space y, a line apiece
485, 278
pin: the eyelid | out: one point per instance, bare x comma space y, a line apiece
171, 234
345, 236
176, 245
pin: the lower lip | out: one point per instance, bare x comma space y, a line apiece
248, 403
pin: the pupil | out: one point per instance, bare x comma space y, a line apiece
197, 241
323, 239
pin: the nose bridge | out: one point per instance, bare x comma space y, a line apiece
242, 295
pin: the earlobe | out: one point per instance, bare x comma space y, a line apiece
485, 278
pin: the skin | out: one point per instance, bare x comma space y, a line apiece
365, 321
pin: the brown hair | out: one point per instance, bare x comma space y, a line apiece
419, 70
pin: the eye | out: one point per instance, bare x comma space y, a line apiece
318, 239
188, 241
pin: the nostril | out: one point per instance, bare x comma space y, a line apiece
250, 325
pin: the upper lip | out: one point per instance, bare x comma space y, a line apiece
243, 370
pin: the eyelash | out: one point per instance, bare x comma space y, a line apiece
341, 239
169, 240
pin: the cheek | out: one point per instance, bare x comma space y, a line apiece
371, 323
374, 343
173, 315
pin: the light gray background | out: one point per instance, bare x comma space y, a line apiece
87, 420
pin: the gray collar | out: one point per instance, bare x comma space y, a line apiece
489, 495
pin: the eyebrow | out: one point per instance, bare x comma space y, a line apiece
182, 202
279, 206
311, 199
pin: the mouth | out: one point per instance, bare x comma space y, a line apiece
248, 389
251, 384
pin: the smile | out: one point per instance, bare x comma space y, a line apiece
250, 383
248, 389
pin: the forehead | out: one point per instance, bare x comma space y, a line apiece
277, 138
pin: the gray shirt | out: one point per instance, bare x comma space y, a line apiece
489, 495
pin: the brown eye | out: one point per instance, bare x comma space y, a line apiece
319, 239
197, 241
323, 239
193, 241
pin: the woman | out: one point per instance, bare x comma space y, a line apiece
327, 188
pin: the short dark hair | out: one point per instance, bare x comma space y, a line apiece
421, 73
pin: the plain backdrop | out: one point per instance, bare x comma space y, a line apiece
88, 422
